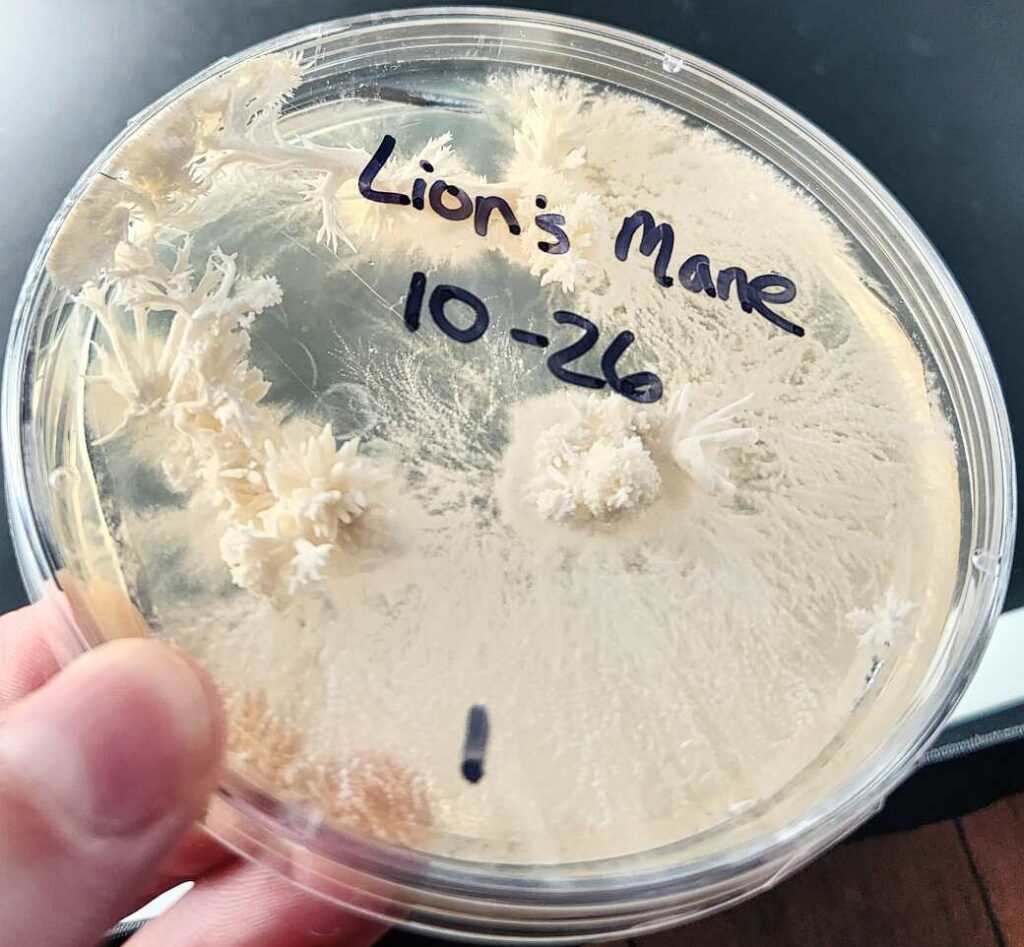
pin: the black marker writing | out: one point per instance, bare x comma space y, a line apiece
786, 293
526, 337
694, 274
553, 224
485, 206
369, 174
419, 186
465, 203
445, 199
414, 301
644, 387
440, 298
451, 202
474, 747
658, 237
558, 360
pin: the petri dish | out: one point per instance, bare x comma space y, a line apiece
587, 486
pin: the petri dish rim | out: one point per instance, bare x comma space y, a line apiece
614, 892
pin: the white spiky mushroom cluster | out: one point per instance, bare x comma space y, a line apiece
230, 124
728, 549
605, 456
883, 626
290, 500
285, 495
594, 462
317, 492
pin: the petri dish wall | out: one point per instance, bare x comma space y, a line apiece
587, 486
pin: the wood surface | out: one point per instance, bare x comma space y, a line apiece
958, 883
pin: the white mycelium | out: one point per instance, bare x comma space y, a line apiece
666, 608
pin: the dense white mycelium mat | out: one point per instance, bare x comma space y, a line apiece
669, 563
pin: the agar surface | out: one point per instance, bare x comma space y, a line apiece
663, 593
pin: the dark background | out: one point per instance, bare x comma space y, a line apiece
926, 93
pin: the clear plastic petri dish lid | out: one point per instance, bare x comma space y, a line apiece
587, 486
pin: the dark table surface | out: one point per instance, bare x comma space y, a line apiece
926, 93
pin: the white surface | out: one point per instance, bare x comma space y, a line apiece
1000, 678
158, 905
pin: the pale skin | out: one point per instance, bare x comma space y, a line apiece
105, 767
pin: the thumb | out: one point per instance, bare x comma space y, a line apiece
102, 770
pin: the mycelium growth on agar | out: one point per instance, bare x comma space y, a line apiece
558, 404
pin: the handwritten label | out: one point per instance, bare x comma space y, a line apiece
453, 203
761, 294
474, 747
695, 272
474, 319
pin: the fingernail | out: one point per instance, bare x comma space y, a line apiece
126, 733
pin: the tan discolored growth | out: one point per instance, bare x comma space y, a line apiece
368, 793
258, 738
95, 603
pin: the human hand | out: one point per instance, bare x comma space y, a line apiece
104, 769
